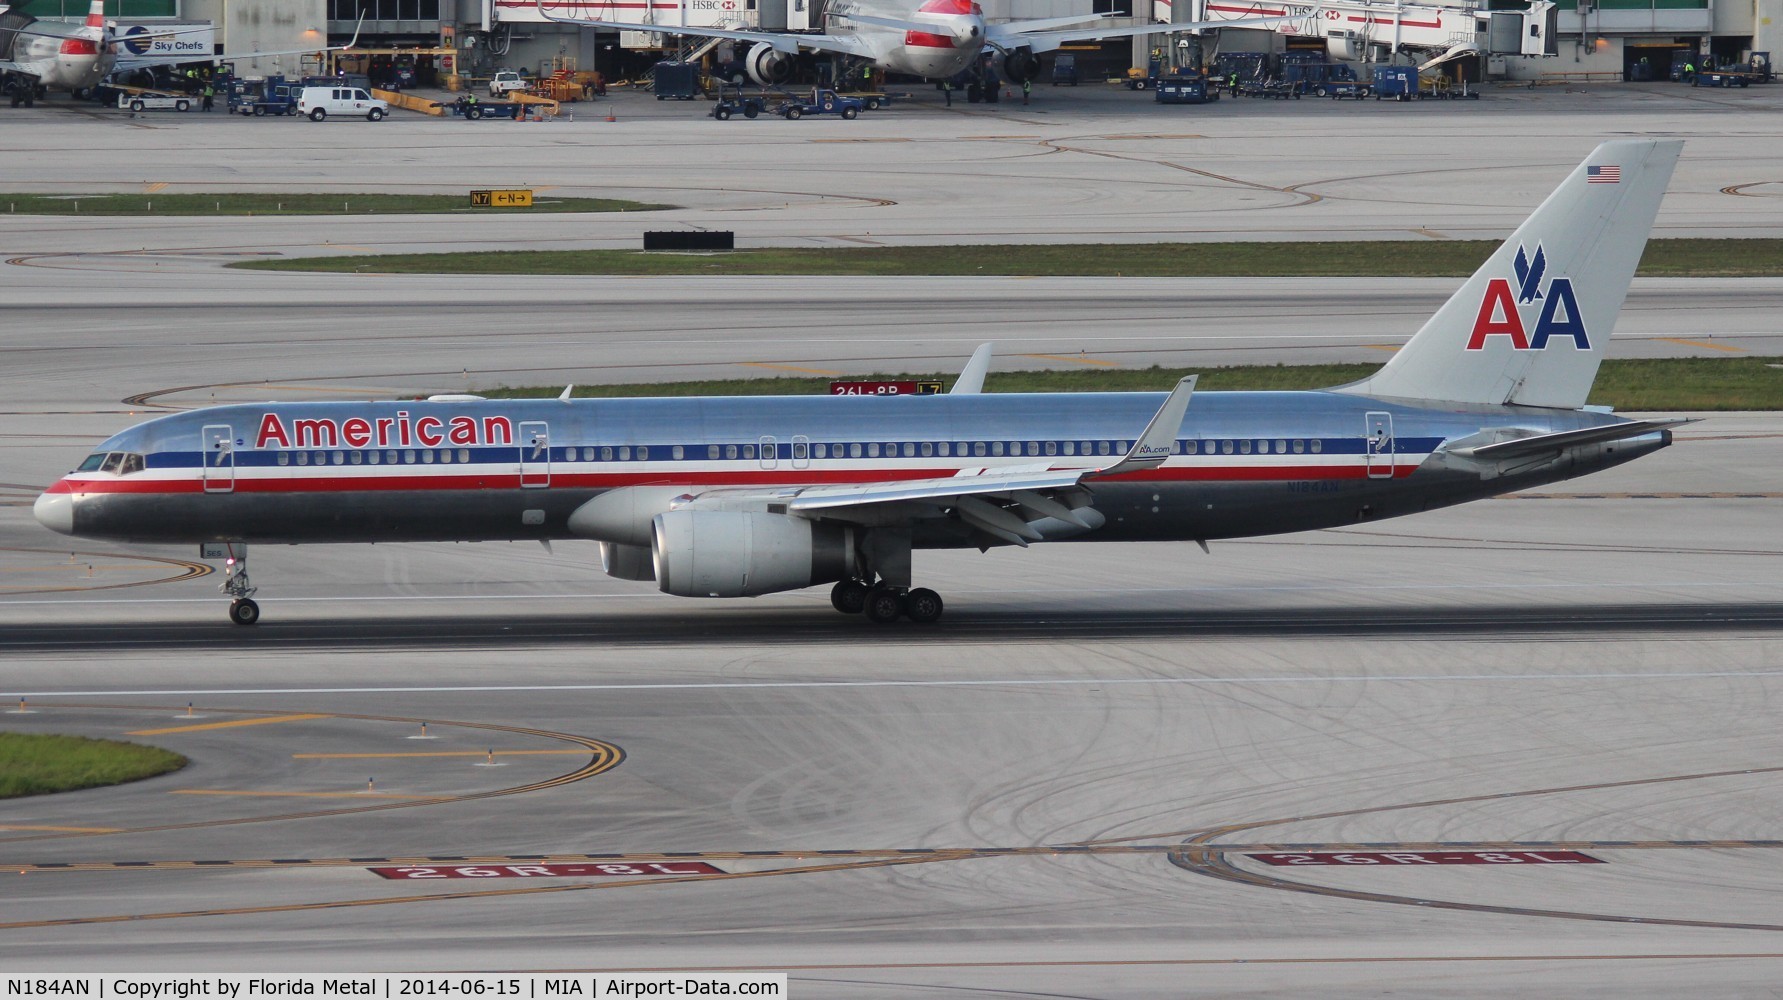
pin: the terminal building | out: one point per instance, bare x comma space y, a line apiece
446, 38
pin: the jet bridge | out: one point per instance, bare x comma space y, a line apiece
1376, 31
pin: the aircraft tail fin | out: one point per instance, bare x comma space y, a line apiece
96, 14
1531, 325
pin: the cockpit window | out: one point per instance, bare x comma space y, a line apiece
122, 463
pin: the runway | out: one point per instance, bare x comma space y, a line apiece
1070, 787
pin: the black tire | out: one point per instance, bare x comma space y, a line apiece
1320, 92
182, 105
137, 105
722, 114
1140, 84
244, 611
473, 113
750, 112
923, 606
259, 112
850, 114
318, 114
375, 114
872, 104
793, 114
883, 606
849, 597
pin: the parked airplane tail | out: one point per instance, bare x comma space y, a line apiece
1531, 325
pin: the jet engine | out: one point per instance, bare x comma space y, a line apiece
767, 66
1021, 65
725, 553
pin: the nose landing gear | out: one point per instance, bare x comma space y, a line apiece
242, 609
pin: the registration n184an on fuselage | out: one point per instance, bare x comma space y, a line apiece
742, 496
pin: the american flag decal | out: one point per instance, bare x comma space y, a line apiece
1603, 175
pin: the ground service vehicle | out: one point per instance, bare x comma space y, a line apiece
739, 496
822, 102
505, 82
154, 102
320, 102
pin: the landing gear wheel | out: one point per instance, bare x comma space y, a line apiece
883, 606
244, 611
922, 605
849, 597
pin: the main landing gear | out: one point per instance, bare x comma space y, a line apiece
242, 609
883, 604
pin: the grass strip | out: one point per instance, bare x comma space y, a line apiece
1386, 258
1751, 383
296, 204
34, 764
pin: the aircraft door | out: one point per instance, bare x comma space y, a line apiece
1379, 445
535, 454
219, 458
770, 453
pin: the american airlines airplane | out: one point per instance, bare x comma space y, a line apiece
742, 496
934, 39
36, 56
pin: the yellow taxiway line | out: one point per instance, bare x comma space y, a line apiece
233, 723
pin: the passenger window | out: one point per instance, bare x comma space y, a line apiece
390, 458
625, 454
1122, 447
464, 454
408, 457
643, 453
1317, 446
996, 447
321, 458
800, 450
606, 454
947, 448
445, 456
1191, 447
1101, 447
730, 451
1299, 446
1070, 447
854, 450
978, 449
1052, 447
360, 95
1281, 447
928, 449
712, 451
873, 449
749, 451
340, 458
303, 458
1226, 447
820, 450
1244, 447
284, 458
358, 457
92, 463
677, 452
910, 449
1262, 447
427, 458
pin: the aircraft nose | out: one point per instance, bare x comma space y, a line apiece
55, 511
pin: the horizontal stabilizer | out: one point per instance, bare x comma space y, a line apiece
1540, 443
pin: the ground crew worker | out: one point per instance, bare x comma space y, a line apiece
1689, 72
1027, 85
1232, 81
210, 94
947, 92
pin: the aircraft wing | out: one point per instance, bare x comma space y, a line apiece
781, 41
1035, 35
1001, 502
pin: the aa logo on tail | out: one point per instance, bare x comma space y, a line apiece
1500, 314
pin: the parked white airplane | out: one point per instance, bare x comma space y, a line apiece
935, 39
37, 56
734, 496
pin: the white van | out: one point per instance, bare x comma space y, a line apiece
320, 102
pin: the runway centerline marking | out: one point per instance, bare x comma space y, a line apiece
307, 795
438, 753
1668, 675
231, 724
59, 829
1702, 343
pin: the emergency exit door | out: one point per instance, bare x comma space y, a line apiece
535, 454
219, 458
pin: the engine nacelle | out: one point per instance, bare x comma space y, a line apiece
1021, 65
767, 66
627, 562
724, 553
